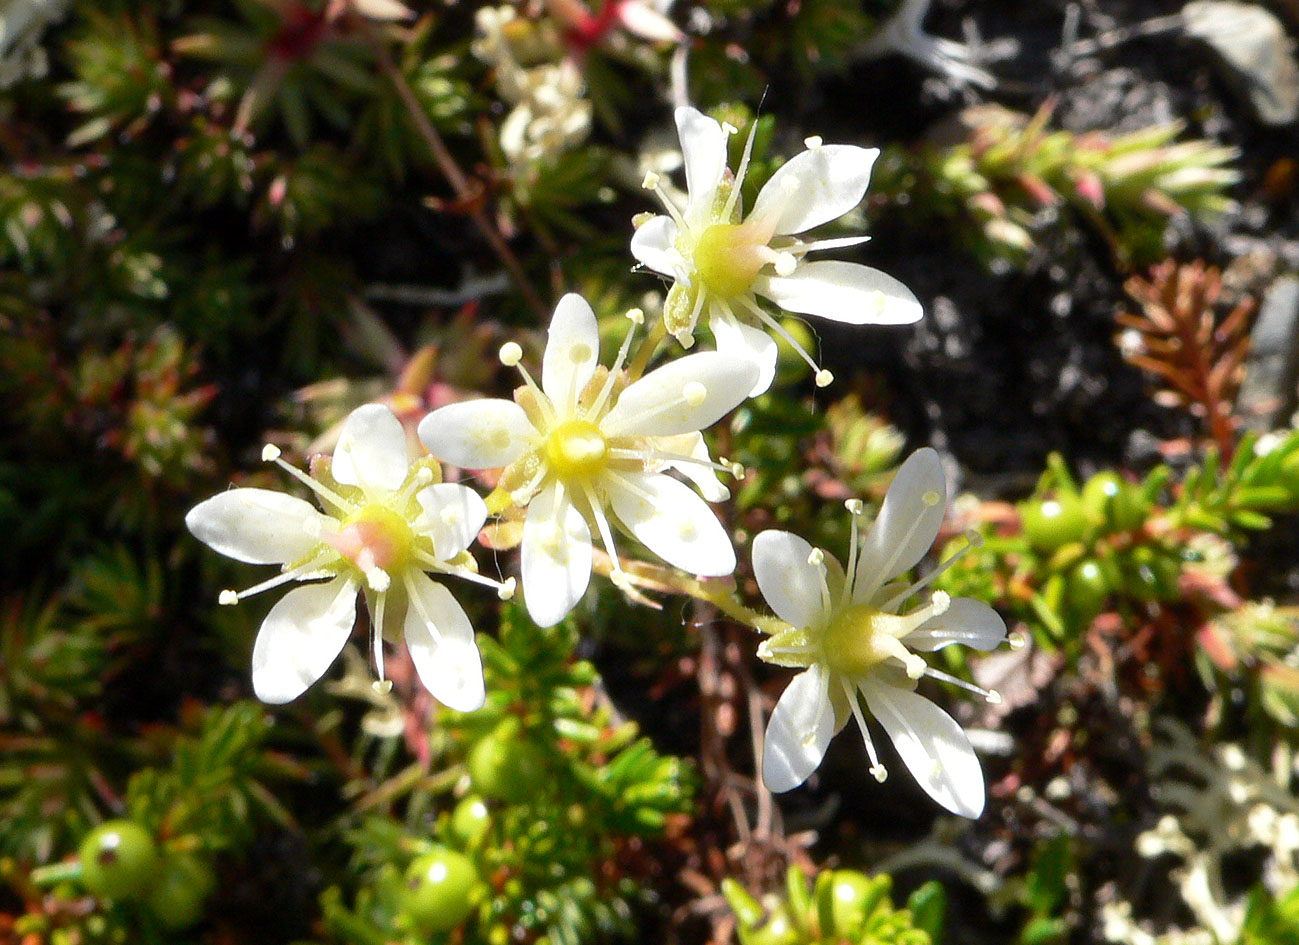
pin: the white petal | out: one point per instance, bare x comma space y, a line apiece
842, 292
371, 451
478, 434
907, 525
703, 147
815, 187
735, 339
648, 23
572, 352
790, 584
453, 516
654, 244
670, 520
969, 622
682, 396
445, 655
301, 637
703, 477
798, 732
256, 525
931, 744
555, 558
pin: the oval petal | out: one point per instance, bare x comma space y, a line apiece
258, 526
478, 434
654, 245
555, 559
441, 643
453, 516
798, 732
932, 745
301, 637
572, 352
815, 187
969, 622
790, 583
371, 451
907, 525
843, 292
682, 396
703, 148
670, 520
735, 339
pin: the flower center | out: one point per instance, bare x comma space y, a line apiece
375, 537
728, 258
576, 449
857, 639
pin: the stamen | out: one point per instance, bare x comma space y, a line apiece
376, 635
652, 455
817, 560
890, 645
991, 696
606, 534
886, 570
523, 495
765, 650
972, 540
293, 574
430, 563
654, 182
779, 329
877, 770
417, 602
801, 248
597, 408
784, 263
854, 507
739, 173
271, 454
511, 354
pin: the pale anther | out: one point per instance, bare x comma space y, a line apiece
854, 506
729, 128
382, 686
651, 180
506, 590
511, 354
737, 470
785, 264
816, 558
812, 142
879, 773
270, 453
824, 378
636, 316
993, 697
424, 475
228, 597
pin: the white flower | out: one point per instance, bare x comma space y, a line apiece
847, 633
583, 451
386, 522
722, 260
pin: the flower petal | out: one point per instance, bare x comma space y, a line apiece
703, 148
555, 557
842, 292
453, 515
703, 477
682, 396
799, 731
670, 520
654, 244
478, 434
966, 621
256, 525
735, 339
931, 744
444, 653
301, 637
789, 582
815, 187
371, 451
572, 352
907, 525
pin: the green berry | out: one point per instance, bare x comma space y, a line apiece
507, 767
853, 897
470, 821
178, 898
1053, 523
1114, 502
119, 860
437, 895
1088, 588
